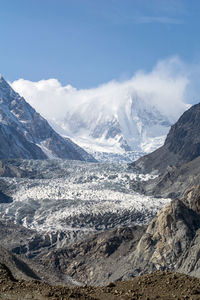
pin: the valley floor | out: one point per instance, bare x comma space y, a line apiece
158, 285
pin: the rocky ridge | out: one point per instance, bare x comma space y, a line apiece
182, 145
25, 134
167, 241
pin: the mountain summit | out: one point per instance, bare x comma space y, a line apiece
115, 131
25, 134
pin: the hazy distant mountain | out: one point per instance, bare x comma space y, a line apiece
25, 134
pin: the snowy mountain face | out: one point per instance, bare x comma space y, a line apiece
116, 121
121, 132
75, 198
25, 134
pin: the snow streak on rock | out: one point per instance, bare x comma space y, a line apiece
24, 133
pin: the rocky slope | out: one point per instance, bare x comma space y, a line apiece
99, 259
182, 145
25, 134
177, 162
173, 182
20, 269
167, 239
158, 285
171, 240
24, 252
191, 198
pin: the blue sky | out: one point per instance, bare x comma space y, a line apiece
89, 42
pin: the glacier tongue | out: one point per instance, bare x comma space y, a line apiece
57, 195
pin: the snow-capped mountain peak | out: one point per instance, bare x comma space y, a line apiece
127, 129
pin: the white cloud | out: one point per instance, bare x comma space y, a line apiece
165, 87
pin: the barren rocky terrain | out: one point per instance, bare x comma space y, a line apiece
158, 285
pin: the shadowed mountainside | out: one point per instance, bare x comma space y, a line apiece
181, 145
25, 134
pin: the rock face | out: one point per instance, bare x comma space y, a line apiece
25, 134
191, 198
167, 238
182, 145
171, 240
189, 263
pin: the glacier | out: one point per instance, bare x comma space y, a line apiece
75, 198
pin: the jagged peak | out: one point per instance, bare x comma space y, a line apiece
2, 79
6, 91
3, 83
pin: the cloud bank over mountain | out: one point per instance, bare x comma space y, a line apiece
164, 87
